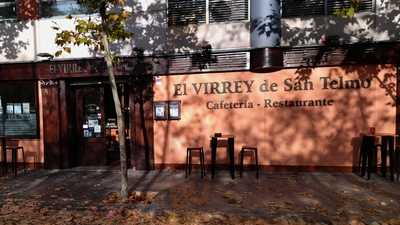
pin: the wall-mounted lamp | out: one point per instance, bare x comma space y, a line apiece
45, 55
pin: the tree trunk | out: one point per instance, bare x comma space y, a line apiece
120, 118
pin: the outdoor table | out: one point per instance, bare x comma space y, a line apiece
230, 149
369, 154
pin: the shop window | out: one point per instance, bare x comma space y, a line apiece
18, 109
62, 8
182, 12
7, 9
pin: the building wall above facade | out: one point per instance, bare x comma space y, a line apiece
154, 32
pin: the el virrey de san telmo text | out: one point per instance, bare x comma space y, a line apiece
250, 86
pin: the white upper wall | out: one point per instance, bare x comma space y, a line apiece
384, 25
46, 37
151, 32
16, 41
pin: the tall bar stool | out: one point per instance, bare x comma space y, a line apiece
397, 157
388, 149
15, 148
252, 150
367, 152
189, 155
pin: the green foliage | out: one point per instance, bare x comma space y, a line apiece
350, 11
88, 31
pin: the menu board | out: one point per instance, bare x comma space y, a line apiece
174, 112
160, 110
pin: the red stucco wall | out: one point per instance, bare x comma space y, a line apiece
285, 135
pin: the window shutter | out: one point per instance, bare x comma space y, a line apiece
365, 5
228, 10
181, 12
222, 61
295, 8
7, 9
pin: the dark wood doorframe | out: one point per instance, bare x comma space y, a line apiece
89, 103
55, 123
73, 137
51, 126
76, 93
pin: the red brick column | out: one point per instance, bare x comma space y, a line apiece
27, 9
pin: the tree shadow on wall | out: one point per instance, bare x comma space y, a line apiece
334, 30
151, 31
141, 83
154, 42
383, 24
12, 40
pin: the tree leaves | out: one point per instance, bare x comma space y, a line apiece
67, 49
349, 11
58, 53
87, 31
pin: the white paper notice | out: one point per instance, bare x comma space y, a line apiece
17, 108
10, 108
92, 123
97, 129
174, 111
25, 107
160, 111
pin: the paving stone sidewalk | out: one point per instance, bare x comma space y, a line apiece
89, 196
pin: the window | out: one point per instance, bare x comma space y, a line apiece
7, 9
293, 8
182, 12
92, 126
297, 8
333, 5
61, 8
18, 114
228, 10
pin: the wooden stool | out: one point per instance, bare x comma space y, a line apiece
188, 166
251, 150
14, 157
387, 149
397, 162
366, 158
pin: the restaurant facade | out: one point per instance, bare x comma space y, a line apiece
304, 118
303, 106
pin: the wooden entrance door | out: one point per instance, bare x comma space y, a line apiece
90, 123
